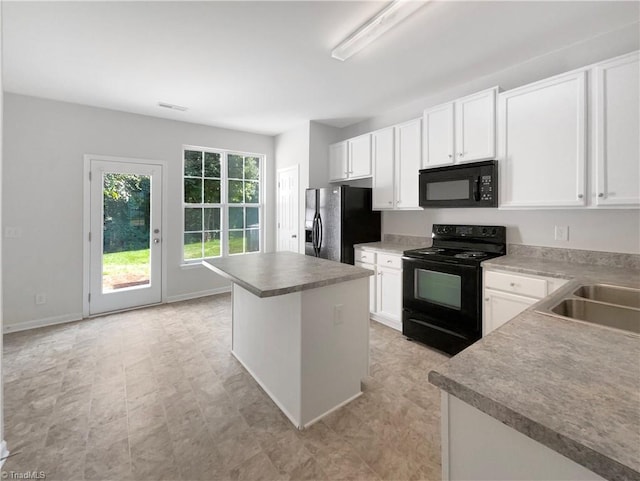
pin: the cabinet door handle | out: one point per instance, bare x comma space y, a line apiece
390, 202
513, 284
601, 194
580, 196
450, 156
486, 299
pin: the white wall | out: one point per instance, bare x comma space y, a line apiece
292, 148
320, 136
605, 230
43, 187
2, 451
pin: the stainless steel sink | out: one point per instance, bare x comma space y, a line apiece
609, 315
622, 296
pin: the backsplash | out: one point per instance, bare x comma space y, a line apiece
597, 258
408, 240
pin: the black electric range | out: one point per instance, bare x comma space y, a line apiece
442, 285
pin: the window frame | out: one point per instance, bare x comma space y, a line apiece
224, 203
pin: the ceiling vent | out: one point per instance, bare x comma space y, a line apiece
172, 107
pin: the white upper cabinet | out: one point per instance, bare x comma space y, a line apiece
338, 161
350, 159
438, 136
408, 156
616, 131
359, 156
383, 168
461, 131
476, 127
542, 139
397, 153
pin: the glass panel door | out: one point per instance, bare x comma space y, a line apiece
125, 266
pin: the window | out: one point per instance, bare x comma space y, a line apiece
222, 209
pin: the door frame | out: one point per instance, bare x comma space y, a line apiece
86, 223
296, 169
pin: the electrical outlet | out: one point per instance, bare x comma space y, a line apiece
13, 232
337, 314
41, 298
562, 233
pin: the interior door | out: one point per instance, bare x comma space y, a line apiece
288, 201
125, 266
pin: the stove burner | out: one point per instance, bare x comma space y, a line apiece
470, 255
431, 250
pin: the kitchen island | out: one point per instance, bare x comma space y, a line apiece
544, 397
300, 328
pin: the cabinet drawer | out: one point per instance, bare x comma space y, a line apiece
365, 265
365, 256
527, 286
389, 260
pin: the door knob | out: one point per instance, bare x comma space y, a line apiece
156, 241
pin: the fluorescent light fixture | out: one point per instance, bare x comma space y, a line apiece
172, 107
388, 17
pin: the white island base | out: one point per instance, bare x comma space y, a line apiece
309, 349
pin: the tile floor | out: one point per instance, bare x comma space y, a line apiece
155, 394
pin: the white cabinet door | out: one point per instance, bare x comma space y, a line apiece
408, 155
438, 136
372, 284
475, 132
359, 156
338, 161
389, 293
542, 135
501, 307
617, 131
383, 168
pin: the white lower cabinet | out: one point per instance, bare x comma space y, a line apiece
372, 284
385, 286
509, 455
507, 294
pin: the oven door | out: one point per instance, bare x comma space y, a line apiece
442, 294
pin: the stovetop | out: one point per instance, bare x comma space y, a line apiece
463, 244
460, 256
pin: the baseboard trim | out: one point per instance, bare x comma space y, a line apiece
397, 325
196, 295
4, 453
77, 316
335, 408
284, 410
44, 322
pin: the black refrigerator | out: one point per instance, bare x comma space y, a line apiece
336, 218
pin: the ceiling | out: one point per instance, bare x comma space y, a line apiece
266, 66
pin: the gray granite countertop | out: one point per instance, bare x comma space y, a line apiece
278, 273
388, 247
395, 246
572, 386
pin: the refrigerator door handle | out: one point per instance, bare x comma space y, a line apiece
319, 233
313, 231
316, 249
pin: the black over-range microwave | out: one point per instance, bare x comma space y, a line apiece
466, 185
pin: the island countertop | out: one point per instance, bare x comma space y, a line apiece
278, 273
570, 385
